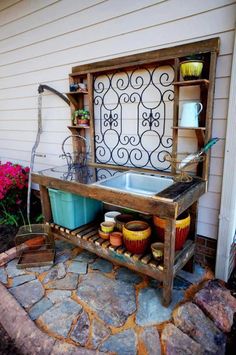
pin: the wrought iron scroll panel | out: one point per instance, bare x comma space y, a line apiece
133, 117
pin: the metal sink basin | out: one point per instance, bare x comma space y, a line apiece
137, 183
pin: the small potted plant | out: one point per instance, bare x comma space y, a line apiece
81, 117
191, 67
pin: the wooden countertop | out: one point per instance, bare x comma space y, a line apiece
168, 203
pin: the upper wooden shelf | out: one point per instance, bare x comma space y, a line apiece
74, 95
190, 128
201, 82
78, 127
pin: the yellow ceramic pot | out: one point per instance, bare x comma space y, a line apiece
136, 235
191, 69
182, 229
158, 251
107, 227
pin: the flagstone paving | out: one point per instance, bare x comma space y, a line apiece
87, 301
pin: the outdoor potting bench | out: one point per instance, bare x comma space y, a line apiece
168, 204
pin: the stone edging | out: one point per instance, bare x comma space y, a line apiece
7, 256
28, 338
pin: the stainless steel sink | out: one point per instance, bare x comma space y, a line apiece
137, 183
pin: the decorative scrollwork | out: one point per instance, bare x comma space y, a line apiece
131, 117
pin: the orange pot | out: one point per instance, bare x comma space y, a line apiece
116, 239
103, 235
136, 235
182, 229
35, 242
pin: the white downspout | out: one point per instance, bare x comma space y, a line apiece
227, 218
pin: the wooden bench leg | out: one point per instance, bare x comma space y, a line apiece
169, 255
45, 202
189, 267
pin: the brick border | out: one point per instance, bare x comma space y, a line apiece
205, 253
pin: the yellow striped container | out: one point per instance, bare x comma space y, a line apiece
182, 229
136, 236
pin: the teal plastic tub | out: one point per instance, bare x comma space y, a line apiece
72, 211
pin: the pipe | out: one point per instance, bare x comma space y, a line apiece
41, 89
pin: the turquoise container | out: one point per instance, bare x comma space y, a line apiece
72, 211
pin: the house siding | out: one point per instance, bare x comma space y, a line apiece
41, 40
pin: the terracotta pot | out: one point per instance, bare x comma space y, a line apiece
122, 219
83, 122
116, 239
35, 242
182, 229
103, 235
136, 235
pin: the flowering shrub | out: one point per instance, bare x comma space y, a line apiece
13, 192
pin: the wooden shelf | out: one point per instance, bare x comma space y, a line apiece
201, 82
75, 96
87, 237
78, 127
190, 128
75, 93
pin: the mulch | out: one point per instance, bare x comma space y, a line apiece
7, 346
231, 341
7, 237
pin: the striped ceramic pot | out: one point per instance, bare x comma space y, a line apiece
182, 229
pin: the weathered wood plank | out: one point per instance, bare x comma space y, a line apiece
121, 250
149, 57
80, 229
91, 110
94, 238
153, 263
112, 247
201, 82
45, 203
106, 244
145, 260
185, 255
89, 234
128, 254
137, 257
99, 241
169, 253
88, 230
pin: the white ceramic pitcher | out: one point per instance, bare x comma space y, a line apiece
190, 113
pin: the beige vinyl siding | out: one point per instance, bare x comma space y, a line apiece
41, 40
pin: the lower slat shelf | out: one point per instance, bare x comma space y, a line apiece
87, 238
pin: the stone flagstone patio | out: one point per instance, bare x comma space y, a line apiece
89, 302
